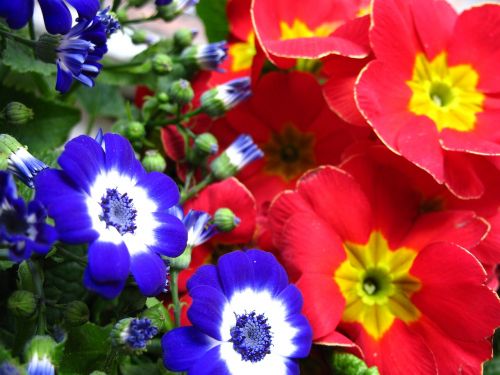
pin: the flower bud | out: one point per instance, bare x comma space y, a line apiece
206, 144
22, 303
175, 8
153, 161
225, 220
240, 153
16, 114
134, 130
182, 261
159, 317
162, 63
184, 37
133, 334
181, 92
39, 352
162, 97
215, 102
46, 47
205, 57
76, 313
140, 37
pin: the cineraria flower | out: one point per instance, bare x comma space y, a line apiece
19, 161
239, 154
197, 225
40, 351
104, 197
133, 333
215, 102
7, 368
109, 21
206, 57
40, 366
56, 14
246, 320
22, 228
426, 95
372, 265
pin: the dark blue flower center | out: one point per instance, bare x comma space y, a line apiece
251, 337
140, 332
13, 222
118, 211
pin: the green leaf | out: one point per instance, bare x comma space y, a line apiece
87, 349
492, 367
21, 59
213, 15
102, 100
349, 364
50, 127
6, 264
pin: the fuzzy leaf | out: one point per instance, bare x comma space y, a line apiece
213, 15
21, 59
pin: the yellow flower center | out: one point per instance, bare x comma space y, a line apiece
289, 153
448, 95
376, 284
242, 54
300, 30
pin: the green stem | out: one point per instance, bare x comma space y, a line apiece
68, 254
116, 5
177, 120
90, 125
196, 189
174, 290
140, 20
37, 281
17, 38
130, 64
31, 28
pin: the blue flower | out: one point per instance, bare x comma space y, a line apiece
162, 2
40, 366
215, 102
197, 223
238, 155
22, 228
56, 14
79, 52
110, 22
246, 320
139, 332
207, 56
7, 368
104, 197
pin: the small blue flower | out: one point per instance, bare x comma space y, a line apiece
104, 197
110, 22
246, 320
56, 14
197, 223
139, 332
22, 228
215, 102
40, 366
238, 155
7, 368
80, 50
206, 57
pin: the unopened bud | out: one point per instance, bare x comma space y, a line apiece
162, 64
76, 313
134, 130
22, 303
153, 161
225, 220
206, 144
16, 114
184, 37
181, 92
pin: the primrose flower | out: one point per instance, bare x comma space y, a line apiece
56, 14
104, 197
246, 320
22, 227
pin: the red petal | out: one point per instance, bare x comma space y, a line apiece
461, 177
173, 143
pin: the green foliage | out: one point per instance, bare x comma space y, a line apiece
51, 125
213, 15
102, 100
349, 364
21, 59
87, 348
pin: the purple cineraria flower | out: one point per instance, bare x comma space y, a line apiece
40, 365
22, 227
104, 197
216, 101
56, 14
246, 320
207, 56
198, 226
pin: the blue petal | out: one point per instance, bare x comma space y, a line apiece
56, 15
66, 204
107, 290
7, 186
205, 275
64, 80
210, 364
17, 13
121, 157
292, 367
149, 272
108, 261
292, 299
269, 274
235, 272
171, 236
206, 310
85, 8
303, 337
46, 237
82, 160
162, 189
183, 346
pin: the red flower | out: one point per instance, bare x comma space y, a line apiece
291, 29
400, 282
431, 94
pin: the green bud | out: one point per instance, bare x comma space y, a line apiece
225, 220
206, 144
181, 92
159, 317
22, 303
162, 97
139, 37
168, 12
118, 330
211, 104
121, 15
222, 167
135, 131
76, 313
46, 46
182, 261
153, 161
178, 70
16, 114
184, 37
41, 346
162, 63
349, 364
